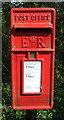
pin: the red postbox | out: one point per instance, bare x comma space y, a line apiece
32, 57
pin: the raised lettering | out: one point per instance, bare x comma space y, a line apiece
21, 18
25, 42
33, 17
40, 42
32, 42
29, 18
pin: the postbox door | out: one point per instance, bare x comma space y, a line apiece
42, 96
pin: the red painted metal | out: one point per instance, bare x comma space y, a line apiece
32, 30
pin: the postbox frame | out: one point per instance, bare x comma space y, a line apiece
14, 51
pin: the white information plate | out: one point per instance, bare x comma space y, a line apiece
32, 76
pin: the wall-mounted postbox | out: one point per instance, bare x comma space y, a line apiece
32, 57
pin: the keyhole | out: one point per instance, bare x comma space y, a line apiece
32, 54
